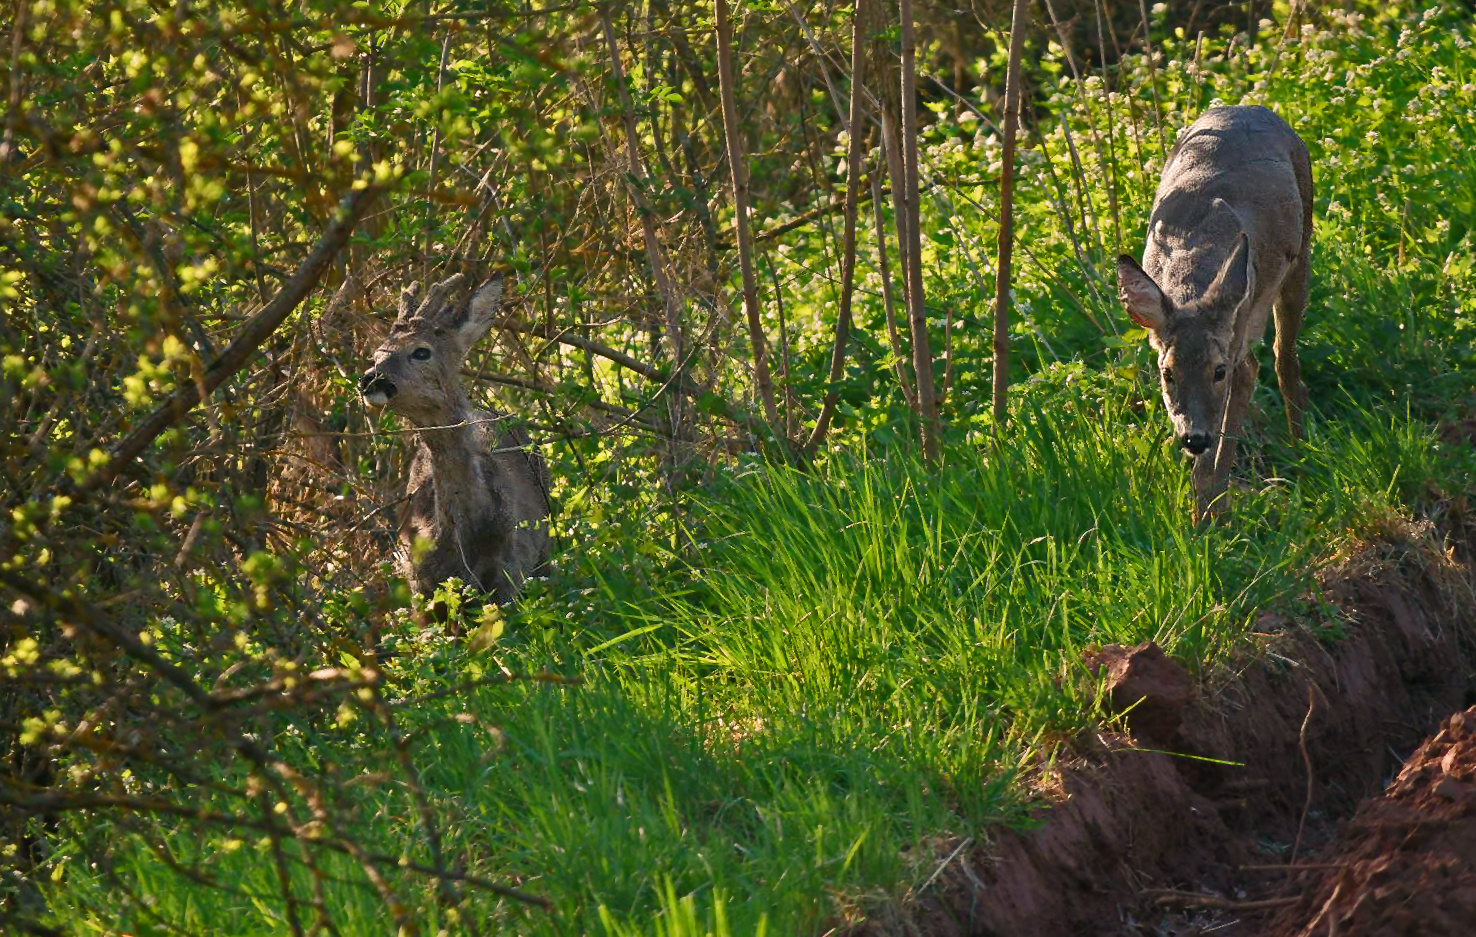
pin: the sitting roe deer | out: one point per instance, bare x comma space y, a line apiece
1229, 238
478, 494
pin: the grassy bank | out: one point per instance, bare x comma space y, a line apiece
847, 666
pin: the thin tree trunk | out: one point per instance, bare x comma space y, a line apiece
1153, 79
922, 349
435, 161
1109, 158
894, 335
854, 154
734, 134
790, 411
892, 151
1090, 218
671, 305
1007, 218
886, 85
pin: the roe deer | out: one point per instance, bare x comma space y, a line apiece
1230, 237
478, 494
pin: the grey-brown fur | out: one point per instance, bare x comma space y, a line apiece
478, 492
1229, 243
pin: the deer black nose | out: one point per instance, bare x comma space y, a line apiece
1195, 442
374, 384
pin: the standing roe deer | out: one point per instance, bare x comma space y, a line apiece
1229, 237
478, 494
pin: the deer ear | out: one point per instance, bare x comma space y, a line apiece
1140, 296
1236, 281
481, 311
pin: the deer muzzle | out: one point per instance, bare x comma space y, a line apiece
1195, 443
376, 389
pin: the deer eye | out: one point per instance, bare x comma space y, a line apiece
421, 354
1168, 376
1219, 373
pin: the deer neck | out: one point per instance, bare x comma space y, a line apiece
454, 445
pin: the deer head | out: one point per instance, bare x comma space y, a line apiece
1195, 338
417, 370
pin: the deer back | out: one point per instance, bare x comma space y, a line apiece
1236, 171
1231, 219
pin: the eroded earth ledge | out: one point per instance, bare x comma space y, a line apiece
1140, 842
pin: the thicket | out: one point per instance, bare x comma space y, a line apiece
777, 666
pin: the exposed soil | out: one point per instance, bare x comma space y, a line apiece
1406, 865
1271, 759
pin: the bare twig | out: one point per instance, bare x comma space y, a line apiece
894, 335
1108, 154
1189, 899
12, 112
1007, 218
670, 302
256, 330
968, 841
1153, 80
860, 22
733, 133
435, 160
804, 218
908, 207
567, 337
1312, 694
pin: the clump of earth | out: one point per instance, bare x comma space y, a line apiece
1405, 866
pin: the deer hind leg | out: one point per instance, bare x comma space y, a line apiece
504, 581
1212, 470
1290, 308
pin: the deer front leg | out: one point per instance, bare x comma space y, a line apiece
1204, 477
1213, 500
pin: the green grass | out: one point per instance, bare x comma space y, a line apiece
851, 664
795, 695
